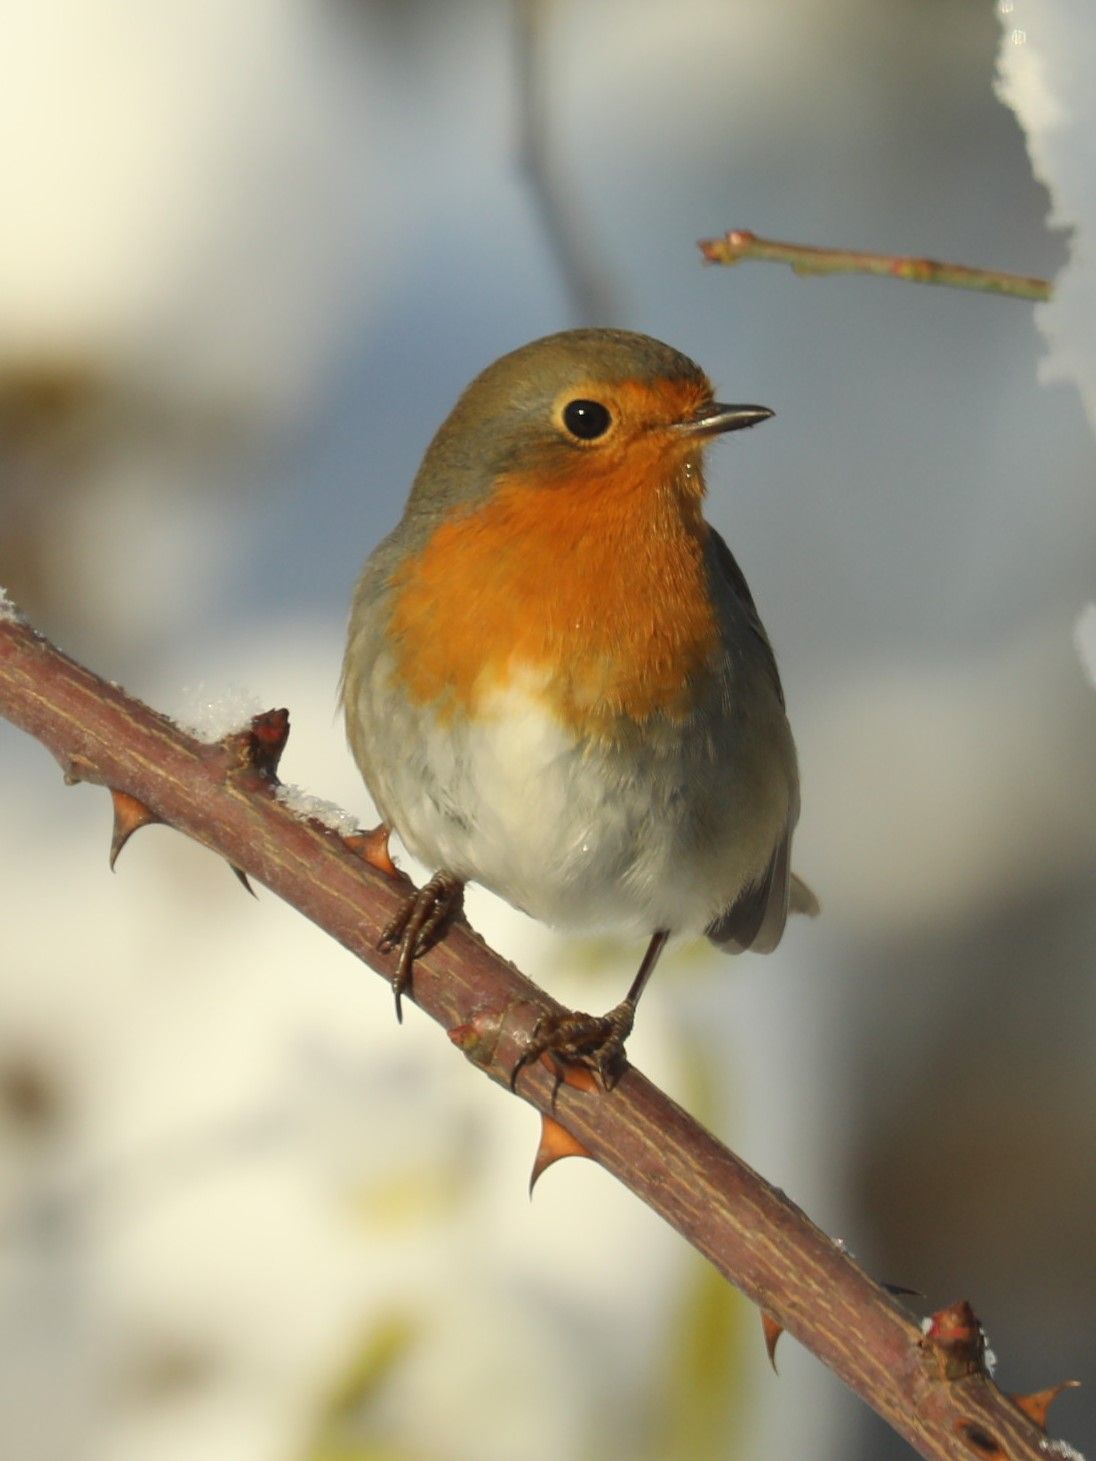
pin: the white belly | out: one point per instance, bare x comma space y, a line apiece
580, 834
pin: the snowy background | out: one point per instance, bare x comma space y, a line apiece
250, 255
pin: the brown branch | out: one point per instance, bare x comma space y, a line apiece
223, 796
739, 244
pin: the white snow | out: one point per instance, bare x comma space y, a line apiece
1061, 1449
315, 809
1044, 74
210, 715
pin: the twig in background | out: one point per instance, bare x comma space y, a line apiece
738, 245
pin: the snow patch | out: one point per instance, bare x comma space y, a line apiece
314, 809
1061, 1449
8, 611
211, 715
1044, 75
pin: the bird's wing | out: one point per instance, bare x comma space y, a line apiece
756, 919
735, 580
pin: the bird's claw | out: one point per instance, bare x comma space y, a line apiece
592, 1042
417, 926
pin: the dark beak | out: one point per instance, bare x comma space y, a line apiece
716, 418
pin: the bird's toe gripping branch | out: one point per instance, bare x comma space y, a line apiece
416, 928
479, 1039
573, 1040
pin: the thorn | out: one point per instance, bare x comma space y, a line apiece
955, 1337
772, 1330
129, 816
1036, 1405
556, 1142
981, 1441
578, 1077
372, 847
242, 876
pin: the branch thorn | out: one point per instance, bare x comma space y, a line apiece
243, 879
772, 1329
1036, 1405
129, 816
372, 847
556, 1142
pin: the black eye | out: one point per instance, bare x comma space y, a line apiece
586, 419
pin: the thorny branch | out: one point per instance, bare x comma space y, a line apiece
934, 1391
738, 245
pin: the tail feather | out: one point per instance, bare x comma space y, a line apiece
756, 919
801, 899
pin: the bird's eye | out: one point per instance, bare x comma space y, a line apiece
586, 419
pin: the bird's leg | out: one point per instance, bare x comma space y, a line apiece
418, 926
593, 1041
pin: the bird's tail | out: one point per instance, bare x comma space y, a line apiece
801, 899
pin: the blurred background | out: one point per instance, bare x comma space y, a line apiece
251, 254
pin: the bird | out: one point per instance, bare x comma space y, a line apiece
556, 683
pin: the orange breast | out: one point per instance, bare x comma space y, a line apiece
592, 589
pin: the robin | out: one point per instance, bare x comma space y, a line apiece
556, 682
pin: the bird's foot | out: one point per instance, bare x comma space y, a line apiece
591, 1042
418, 925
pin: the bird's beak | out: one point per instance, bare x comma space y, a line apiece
715, 418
